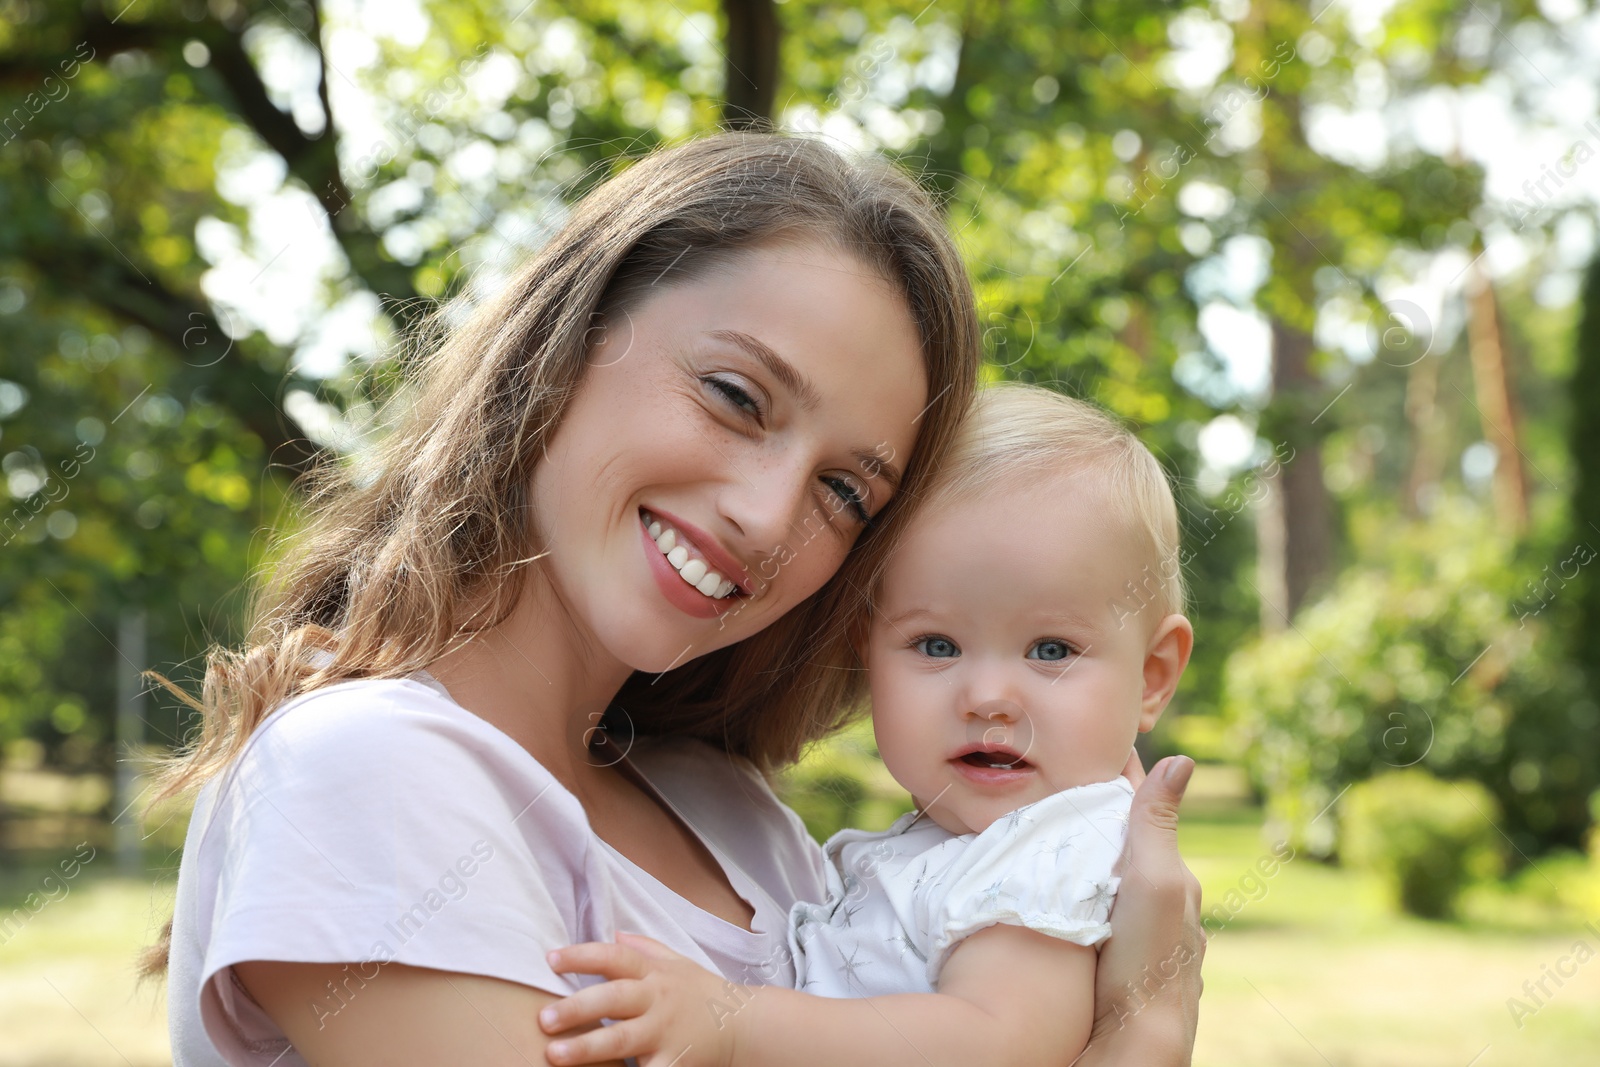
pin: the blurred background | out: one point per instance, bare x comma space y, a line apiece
1336, 263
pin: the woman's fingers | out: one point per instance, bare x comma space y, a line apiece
615, 1042
1153, 824
1147, 983
623, 999
598, 957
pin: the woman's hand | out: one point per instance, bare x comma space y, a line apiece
669, 1009
1147, 986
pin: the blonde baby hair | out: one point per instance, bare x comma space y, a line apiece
1017, 432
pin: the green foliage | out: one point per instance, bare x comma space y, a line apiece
441, 148
1429, 837
1421, 654
841, 783
1594, 829
1584, 442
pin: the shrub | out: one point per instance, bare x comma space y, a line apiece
1594, 828
1430, 838
1429, 651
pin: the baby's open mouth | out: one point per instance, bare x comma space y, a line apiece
995, 760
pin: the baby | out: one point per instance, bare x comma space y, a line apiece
1026, 629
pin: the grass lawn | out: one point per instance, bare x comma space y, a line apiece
1313, 968
1310, 967
67, 991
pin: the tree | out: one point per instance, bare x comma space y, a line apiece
1584, 438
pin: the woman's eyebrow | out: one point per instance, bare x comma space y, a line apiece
871, 462
873, 465
776, 365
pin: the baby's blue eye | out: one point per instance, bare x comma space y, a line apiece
1050, 650
937, 647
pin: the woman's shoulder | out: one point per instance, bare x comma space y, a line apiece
399, 723
339, 713
383, 753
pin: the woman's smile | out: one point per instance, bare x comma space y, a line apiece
727, 433
681, 559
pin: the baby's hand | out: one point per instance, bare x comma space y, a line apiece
669, 1010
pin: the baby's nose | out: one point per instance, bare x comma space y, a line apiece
1000, 722
999, 710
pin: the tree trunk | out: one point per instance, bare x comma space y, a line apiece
1427, 450
1584, 441
1300, 549
131, 659
1491, 376
751, 83
1271, 553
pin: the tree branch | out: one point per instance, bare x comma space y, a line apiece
211, 359
314, 161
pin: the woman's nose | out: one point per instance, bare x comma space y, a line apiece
770, 506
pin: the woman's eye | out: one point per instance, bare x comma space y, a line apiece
734, 395
852, 496
1050, 650
936, 647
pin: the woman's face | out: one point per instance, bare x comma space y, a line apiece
728, 438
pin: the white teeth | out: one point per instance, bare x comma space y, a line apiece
693, 571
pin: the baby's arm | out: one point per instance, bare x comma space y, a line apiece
1007, 995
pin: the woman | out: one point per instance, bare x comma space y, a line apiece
523, 672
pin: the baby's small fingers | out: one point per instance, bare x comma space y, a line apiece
598, 957
615, 1042
647, 946
622, 999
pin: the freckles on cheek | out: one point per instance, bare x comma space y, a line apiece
796, 573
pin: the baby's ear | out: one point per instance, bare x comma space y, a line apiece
1165, 657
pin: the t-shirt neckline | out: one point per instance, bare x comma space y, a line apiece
689, 912
742, 885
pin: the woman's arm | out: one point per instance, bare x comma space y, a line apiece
1147, 987
1008, 997
402, 1017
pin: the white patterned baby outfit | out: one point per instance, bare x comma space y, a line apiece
899, 901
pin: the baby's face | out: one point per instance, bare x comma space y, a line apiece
1003, 624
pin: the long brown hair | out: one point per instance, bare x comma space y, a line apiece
427, 540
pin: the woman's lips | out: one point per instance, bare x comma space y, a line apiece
679, 593
688, 557
699, 545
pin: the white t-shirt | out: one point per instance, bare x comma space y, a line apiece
377, 821
899, 901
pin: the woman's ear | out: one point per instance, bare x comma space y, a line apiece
1164, 660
